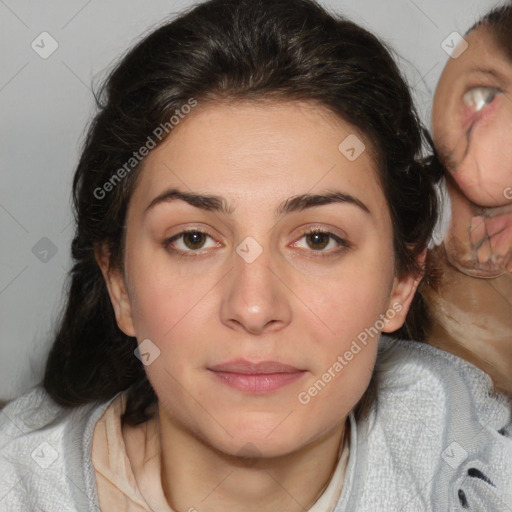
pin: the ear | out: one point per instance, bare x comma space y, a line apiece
401, 297
114, 280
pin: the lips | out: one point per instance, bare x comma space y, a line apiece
243, 366
251, 377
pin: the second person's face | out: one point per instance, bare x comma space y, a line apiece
472, 120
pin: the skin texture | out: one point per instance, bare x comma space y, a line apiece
289, 305
472, 307
476, 150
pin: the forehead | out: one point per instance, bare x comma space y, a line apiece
483, 53
268, 149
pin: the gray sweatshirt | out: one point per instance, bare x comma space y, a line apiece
437, 439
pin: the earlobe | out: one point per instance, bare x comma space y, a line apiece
404, 289
116, 290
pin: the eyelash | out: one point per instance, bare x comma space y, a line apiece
342, 243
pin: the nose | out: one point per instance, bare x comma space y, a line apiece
255, 297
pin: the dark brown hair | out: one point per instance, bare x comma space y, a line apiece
223, 50
499, 20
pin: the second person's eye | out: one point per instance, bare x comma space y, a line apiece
479, 97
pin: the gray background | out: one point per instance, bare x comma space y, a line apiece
45, 106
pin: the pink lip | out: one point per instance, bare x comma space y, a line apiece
262, 377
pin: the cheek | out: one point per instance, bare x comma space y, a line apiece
174, 307
446, 129
356, 302
484, 166
486, 173
161, 295
450, 133
343, 379
440, 131
153, 307
351, 306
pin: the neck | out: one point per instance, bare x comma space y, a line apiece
196, 476
472, 318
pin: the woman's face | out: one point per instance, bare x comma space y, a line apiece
247, 286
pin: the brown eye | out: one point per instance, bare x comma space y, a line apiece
478, 97
189, 242
194, 239
317, 240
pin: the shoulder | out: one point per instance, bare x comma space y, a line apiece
437, 438
436, 378
44, 452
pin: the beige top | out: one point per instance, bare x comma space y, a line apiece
127, 465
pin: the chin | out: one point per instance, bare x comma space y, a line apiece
253, 448
255, 443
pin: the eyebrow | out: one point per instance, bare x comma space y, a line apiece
219, 204
487, 71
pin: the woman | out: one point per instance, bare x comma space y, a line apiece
251, 216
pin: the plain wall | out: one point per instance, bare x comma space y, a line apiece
46, 103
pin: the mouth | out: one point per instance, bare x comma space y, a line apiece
258, 378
